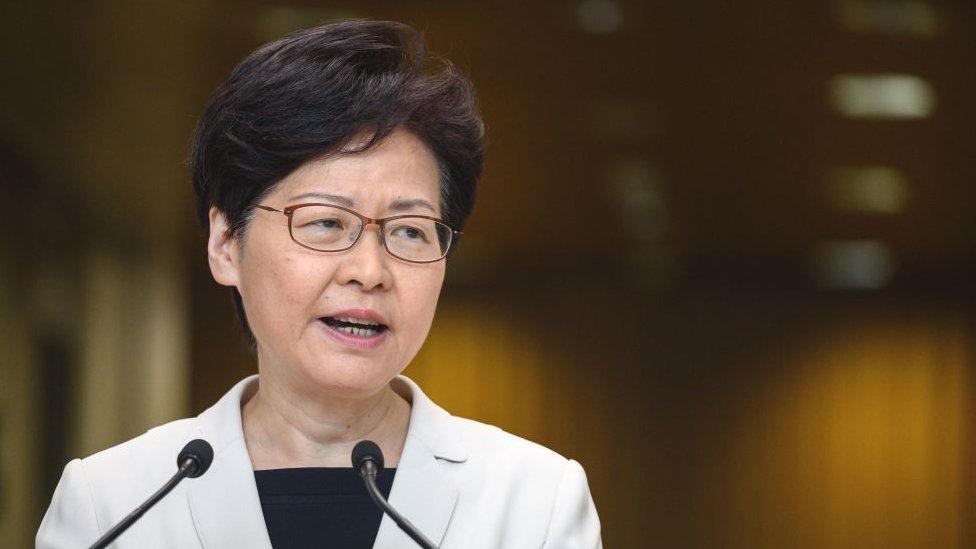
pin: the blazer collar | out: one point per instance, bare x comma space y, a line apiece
224, 502
225, 505
429, 423
422, 491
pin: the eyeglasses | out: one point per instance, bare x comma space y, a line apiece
330, 228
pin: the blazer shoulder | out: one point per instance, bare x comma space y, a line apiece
494, 442
95, 492
543, 491
154, 451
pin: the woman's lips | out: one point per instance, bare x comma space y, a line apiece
353, 341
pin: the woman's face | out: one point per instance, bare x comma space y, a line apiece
293, 295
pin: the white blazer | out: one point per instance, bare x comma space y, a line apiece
464, 484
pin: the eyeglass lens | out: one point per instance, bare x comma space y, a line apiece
326, 228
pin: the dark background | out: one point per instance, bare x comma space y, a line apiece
723, 252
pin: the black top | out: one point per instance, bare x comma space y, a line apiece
320, 507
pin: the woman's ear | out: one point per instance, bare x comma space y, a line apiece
222, 250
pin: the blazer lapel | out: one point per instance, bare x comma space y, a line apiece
422, 491
224, 501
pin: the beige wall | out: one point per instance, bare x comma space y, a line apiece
134, 363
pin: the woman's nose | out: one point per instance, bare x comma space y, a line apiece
366, 263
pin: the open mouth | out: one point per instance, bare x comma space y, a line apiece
356, 327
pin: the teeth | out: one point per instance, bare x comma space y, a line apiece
358, 332
360, 321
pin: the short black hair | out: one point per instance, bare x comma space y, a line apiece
309, 94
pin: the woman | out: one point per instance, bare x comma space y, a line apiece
332, 175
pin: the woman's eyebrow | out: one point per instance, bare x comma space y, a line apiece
399, 205
341, 200
405, 204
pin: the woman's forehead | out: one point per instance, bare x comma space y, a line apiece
400, 168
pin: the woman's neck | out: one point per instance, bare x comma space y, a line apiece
285, 428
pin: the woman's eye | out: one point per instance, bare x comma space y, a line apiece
410, 233
327, 224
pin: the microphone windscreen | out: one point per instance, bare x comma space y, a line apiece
367, 450
199, 451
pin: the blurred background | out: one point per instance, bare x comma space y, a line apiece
723, 252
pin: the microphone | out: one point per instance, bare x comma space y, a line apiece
194, 460
367, 459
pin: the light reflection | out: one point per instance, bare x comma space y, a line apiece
870, 189
864, 439
599, 16
888, 17
853, 265
636, 185
882, 96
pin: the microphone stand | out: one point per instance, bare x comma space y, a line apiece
368, 473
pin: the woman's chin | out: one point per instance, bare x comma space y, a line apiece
348, 380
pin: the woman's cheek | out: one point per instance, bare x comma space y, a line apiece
425, 293
279, 295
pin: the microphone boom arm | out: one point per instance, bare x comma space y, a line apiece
194, 460
369, 477
187, 468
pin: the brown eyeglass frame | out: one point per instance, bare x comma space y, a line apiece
379, 222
